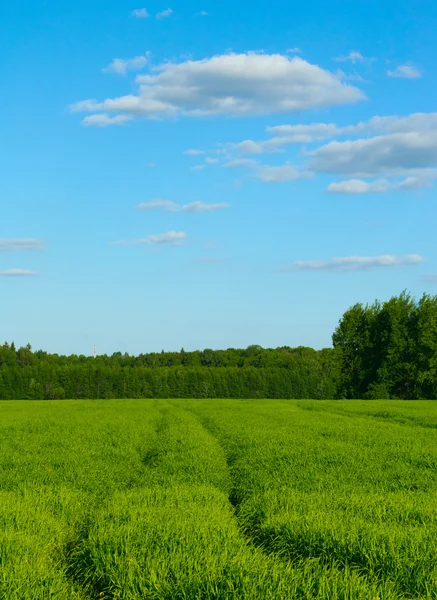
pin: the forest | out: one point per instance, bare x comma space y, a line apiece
384, 350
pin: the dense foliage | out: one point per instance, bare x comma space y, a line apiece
388, 350
251, 373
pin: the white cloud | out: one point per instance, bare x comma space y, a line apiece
16, 244
164, 13
404, 147
240, 162
172, 238
211, 161
394, 124
354, 263
307, 133
416, 183
131, 106
398, 153
140, 13
405, 72
247, 147
197, 168
353, 57
298, 134
394, 154
358, 186
194, 152
104, 120
121, 66
285, 135
272, 145
18, 273
192, 207
270, 174
166, 205
200, 207
349, 76
294, 51
230, 84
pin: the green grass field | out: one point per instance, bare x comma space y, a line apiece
218, 499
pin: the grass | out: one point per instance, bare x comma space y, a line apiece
218, 499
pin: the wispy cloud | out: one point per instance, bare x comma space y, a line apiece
294, 51
405, 72
164, 14
211, 161
159, 203
140, 13
194, 152
104, 120
354, 263
16, 244
416, 183
277, 174
358, 186
192, 207
248, 147
307, 133
286, 135
352, 57
429, 278
197, 168
18, 273
203, 13
200, 207
238, 163
172, 238
349, 76
121, 66
268, 173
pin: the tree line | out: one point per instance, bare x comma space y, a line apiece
251, 373
383, 350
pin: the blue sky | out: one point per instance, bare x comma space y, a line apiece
205, 174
